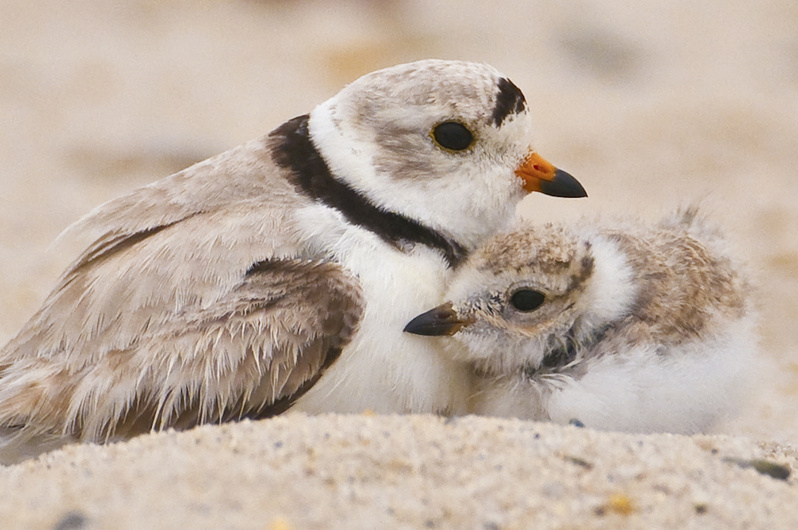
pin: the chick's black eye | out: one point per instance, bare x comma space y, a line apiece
527, 300
452, 135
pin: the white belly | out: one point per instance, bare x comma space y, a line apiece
685, 389
384, 369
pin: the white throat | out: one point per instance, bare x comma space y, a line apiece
475, 199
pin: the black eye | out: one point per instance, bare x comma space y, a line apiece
527, 300
452, 135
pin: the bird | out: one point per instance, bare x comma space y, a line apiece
279, 274
614, 324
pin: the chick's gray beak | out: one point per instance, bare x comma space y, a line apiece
442, 320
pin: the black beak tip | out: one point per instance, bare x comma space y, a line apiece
563, 185
436, 322
422, 325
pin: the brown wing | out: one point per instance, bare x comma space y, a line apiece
249, 353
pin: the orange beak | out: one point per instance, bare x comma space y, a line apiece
540, 175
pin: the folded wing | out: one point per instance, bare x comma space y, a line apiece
250, 353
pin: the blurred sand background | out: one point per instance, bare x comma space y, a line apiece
649, 104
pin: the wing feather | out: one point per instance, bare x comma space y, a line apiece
195, 303
251, 353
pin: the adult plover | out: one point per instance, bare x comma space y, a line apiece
621, 326
230, 288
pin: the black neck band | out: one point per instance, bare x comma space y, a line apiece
293, 149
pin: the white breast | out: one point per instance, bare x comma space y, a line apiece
384, 369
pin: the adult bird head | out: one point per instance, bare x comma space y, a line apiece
446, 143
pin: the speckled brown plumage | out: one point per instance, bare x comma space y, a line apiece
642, 327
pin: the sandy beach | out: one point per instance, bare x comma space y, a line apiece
650, 107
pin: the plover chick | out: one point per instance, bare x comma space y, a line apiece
621, 326
281, 272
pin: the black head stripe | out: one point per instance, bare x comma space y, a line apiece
509, 100
293, 149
